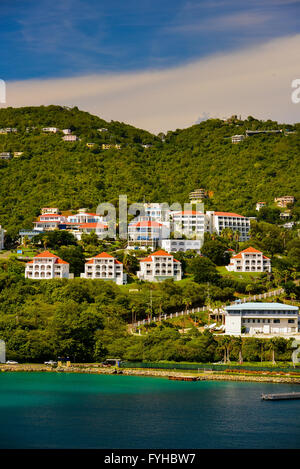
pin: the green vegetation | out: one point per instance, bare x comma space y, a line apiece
70, 175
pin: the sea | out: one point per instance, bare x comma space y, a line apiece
68, 411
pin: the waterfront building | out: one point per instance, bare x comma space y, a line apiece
159, 266
249, 260
104, 267
261, 318
46, 266
220, 220
181, 245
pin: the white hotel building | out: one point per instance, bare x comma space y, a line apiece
249, 260
105, 267
189, 223
48, 222
159, 266
46, 266
181, 245
261, 318
220, 220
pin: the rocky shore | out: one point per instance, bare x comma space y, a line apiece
209, 376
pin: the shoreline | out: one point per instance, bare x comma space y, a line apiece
203, 376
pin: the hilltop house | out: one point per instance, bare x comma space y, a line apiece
284, 201
70, 138
249, 260
46, 266
104, 267
53, 130
159, 266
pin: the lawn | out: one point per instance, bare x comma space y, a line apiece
244, 276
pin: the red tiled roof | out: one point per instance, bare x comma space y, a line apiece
49, 255
228, 214
161, 252
103, 255
189, 212
146, 223
92, 225
45, 254
251, 249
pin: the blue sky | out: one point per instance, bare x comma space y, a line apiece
69, 38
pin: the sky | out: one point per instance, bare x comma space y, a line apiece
159, 64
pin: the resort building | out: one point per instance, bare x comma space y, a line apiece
146, 232
49, 222
284, 201
48, 210
159, 266
84, 217
249, 260
105, 267
261, 318
99, 228
1, 238
190, 223
181, 245
46, 266
220, 220
157, 212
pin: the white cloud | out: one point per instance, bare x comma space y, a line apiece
255, 81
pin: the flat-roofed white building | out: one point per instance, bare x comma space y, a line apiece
85, 217
105, 267
190, 223
70, 138
249, 260
181, 245
157, 212
159, 266
237, 138
49, 210
5, 155
49, 222
218, 221
1, 238
261, 318
147, 231
259, 205
53, 130
67, 131
46, 266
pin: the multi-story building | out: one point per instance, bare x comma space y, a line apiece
84, 217
220, 220
49, 210
159, 266
157, 212
261, 318
284, 201
108, 146
49, 222
146, 233
190, 223
46, 266
104, 267
70, 138
99, 228
237, 138
197, 196
1, 238
181, 245
249, 260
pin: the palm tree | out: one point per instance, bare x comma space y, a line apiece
238, 341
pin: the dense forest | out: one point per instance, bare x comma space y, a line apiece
67, 175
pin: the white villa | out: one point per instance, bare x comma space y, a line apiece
159, 266
261, 318
249, 260
146, 232
100, 229
105, 267
46, 266
53, 130
84, 217
70, 138
49, 222
220, 220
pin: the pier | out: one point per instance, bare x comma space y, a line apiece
283, 396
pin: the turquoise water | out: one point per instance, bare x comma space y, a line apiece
52, 410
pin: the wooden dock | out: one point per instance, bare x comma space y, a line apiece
282, 396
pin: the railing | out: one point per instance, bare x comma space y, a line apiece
199, 309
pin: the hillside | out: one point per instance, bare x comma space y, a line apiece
52, 172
